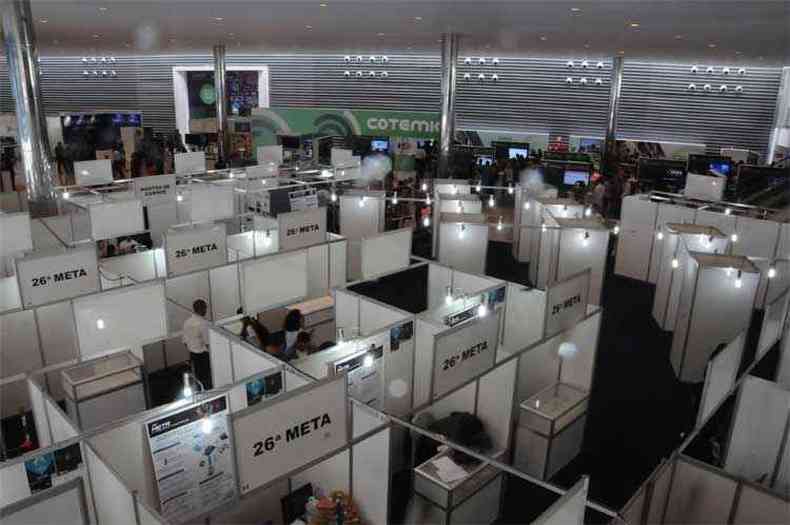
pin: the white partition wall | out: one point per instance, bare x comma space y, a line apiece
637, 229
715, 287
361, 215
118, 319
773, 324
112, 219
114, 502
759, 430
666, 213
15, 230
704, 187
720, 376
755, 237
583, 245
569, 509
459, 203
211, 202
524, 316
386, 252
698, 495
463, 242
272, 281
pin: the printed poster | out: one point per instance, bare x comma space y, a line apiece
47, 470
264, 388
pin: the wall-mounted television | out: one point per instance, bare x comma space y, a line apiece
484, 160
513, 153
380, 145
753, 180
573, 176
289, 141
662, 175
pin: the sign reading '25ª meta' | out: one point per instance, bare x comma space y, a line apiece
55, 276
286, 433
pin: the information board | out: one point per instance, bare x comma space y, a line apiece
54, 276
566, 303
464, 353
365, 371
195, 248
190, 163
278, 437
298, 229
192, 454
153, 190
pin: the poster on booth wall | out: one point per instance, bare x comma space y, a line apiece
298, 229
288, 432
49, 277
195, 248
464, 353
400, 333
54, 468
192, 454
566, 303
264, 387
365, 372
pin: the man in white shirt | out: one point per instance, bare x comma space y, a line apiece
195, 337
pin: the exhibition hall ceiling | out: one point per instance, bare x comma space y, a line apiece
681, 30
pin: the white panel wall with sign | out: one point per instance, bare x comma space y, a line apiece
15, 231
56, 275
704, 187
115, 218
361, 215
584, 244
190, 163
195, 247
387, 252
212, 202
566, 303
524, 317
275, 280
298, 229
93, 172
155, 190
123, 318
273, 439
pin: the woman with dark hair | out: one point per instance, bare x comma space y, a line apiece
259, 336
291, 326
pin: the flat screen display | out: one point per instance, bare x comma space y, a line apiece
662, 175
720, 168
571, 177
380, 145
513, 153
485, 160
753, 180
289, 141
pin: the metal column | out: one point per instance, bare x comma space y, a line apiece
610, 147
449, 67
34, 148
781, 115
223, 139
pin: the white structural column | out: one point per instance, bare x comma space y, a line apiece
780, 132
221, 102
34, 148
449, 67
614, 111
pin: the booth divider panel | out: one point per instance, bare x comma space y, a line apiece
439, 278
14, 397
671, 247
146, 517
721, 376
538, 368
547, 258
637, 234
246, 362
371, 477
67, 506
13, 480
317, 271
773, 323
161, 217
9, 293
725, 223
523, 317
225, 291
327, 476
273, 281
294, 381
423, 361
39, 409
221, 364
185, 289
462, 400
756, 506
578, 368
699, 495
265, 504
19, 343
400, 375
782, 483
763, 405
44, 239
347, 312
212, 202
468, 253
373, 317
574, 257
114, 502
337, 263
496, 388
756, 237
569, 509
386, 252
139, 266
783, 247
60, 426
658, 498
115, 218
58, 338
16, 232
666, 213
632, 513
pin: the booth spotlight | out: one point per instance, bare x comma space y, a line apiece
543, 227
495, 61
448, 295
739, 89
675, 263
333, 195
583, 81
478, 187
481, 61
599, 65
462, 231
586, 239
267, 239
707, 87
481, 77
395, 198
709, 71
569, 63
723, 88
347, 59
727, 211
367, 362
455, 189
569, 80
362, 201
340, 334
567, 349
482, 309
585, 64
346, 73
100, 323
360, 74
526, 204
725, 71
426, 221
424, 186
660, 235
495, 77
738, 280
616, 229
742, 71
499, 224
510, 189
771, 271
491, 201
373, 58
384, 74
385, 59
468, 61
728, 271
179, 198
326, 173
692, 87
66, 195
428, 200
207, 425
588, 211
734, 237
598, 81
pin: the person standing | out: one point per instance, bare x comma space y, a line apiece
195, 337
60, 159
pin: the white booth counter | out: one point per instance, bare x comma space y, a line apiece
105, 389
715, 305
459, 493
679, 240
551, 429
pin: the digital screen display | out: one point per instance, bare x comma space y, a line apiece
570, 177
720, 168
289, 141
753, 180
380, 145
485, 160
513, 153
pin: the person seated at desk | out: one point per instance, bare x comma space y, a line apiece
259, 336
292, 326
304, 345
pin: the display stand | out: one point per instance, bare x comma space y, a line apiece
474, 498
679, 240
715, 305
105, 389
551, 429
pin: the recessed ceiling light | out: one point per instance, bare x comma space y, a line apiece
418, 18
575, 9
634, 24
308, 27
379, 34
96, 36
231, 34
711, 46
622, 51
43, 20
587, 46
322, 4
102, 9
678, 37
544, 38
218, 18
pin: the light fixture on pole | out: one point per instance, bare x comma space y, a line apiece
482, 309
675, 263
395, 198
499, 224
448, 295
738, 280
491, 201
510, 189
772, 271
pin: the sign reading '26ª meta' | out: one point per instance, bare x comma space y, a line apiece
195, 248
279, 436
299, 229
54, 276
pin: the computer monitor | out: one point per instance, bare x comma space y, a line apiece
662, 174
484, 160
571, 177
380, 145
513, 153
289, 141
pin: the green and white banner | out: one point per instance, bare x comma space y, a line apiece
267, 123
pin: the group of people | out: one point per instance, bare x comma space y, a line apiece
289, 344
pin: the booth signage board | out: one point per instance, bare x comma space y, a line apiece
49, 278
464, 354
303, 199
192, 454
93, 172
566, 303
288, 432
299, 229
194, 249
189, 163
152, 190
365, 383
267, 123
